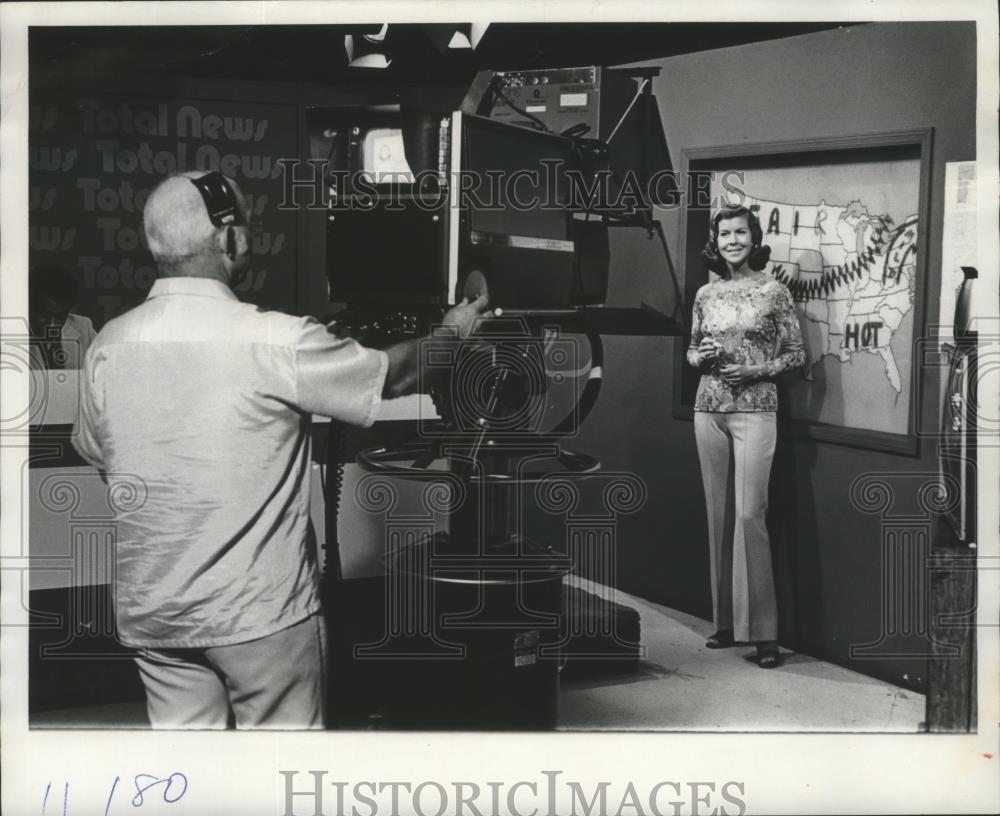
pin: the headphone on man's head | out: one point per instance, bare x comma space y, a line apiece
223, 208
220, 200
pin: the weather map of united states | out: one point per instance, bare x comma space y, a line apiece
851, 274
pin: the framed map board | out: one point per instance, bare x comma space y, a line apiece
846, 220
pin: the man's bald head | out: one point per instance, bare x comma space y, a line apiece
178, 229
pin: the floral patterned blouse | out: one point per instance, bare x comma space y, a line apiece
755, 321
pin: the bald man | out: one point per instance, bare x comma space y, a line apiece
196, 407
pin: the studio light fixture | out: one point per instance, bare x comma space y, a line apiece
368, 50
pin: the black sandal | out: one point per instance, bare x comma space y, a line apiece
768, 654
722, 639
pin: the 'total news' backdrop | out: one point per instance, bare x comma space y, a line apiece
93, 162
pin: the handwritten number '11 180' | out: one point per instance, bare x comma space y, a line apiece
170, 789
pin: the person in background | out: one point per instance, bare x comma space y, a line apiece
198, 407
744, 332
59, 338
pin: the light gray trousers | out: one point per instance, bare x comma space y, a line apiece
735, 451
274, 682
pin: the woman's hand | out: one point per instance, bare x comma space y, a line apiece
708, 351
734, 374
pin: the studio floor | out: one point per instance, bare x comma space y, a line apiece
680, 686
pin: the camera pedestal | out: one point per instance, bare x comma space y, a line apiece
476, 614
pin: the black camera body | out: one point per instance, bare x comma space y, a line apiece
500, 381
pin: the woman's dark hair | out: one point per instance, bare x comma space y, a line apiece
54, 282
759, 255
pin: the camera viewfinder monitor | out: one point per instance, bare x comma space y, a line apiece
383, 156
504, 226
383, 246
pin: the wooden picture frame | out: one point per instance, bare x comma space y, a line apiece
831, 186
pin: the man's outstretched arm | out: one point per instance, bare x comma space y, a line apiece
404, 374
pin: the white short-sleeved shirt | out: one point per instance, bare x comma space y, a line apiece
197, 407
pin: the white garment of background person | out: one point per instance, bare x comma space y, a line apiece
75, 338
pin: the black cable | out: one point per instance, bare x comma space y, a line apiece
582, 154
337, 439
679, 305
539, 124
576, 131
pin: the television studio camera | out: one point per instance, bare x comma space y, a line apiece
511, 196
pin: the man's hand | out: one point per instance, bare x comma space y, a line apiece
737, 374
464, 315
405, 359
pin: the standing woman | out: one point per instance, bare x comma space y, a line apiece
744, 332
